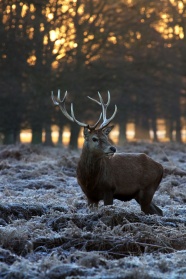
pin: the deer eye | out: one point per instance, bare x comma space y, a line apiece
94, 139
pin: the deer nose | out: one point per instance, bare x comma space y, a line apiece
113, 149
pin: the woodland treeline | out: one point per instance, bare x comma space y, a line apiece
136, 49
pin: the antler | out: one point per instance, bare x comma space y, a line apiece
104, 110
61, 103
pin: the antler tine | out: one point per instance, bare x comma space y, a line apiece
107, 121
83, 124
95, 125
61, 103
78, 122
104, 106
53, 99
104, 109
94, 100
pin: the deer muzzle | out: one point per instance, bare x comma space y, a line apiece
110, 152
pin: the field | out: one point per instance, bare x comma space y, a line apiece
48, 231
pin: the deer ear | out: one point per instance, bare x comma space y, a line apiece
86, 132
107, 130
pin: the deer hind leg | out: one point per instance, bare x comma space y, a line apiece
155, 209
144, 198
151, 209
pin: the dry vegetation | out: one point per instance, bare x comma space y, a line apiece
47, 230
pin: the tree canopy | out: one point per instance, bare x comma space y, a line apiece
136, 49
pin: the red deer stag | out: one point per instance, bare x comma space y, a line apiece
104, 174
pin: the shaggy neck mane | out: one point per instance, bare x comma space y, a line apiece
92, 168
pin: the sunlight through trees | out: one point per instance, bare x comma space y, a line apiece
134, 48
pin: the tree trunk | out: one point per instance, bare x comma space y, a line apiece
17, 136
178, 130
122, 133
177, 117
154, 129
74, 133
59, 142
169, 129
36, 134
9, 137
48, 136
36, 120
142, 128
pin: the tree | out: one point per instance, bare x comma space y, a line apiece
12, 66
40, 72
135, 49
92, 32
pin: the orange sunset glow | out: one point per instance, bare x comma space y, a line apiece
135, 49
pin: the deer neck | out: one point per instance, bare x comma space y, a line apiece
92, 166
92, 158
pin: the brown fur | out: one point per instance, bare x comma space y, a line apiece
105, 176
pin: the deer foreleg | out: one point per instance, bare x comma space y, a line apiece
108, 198
92, 204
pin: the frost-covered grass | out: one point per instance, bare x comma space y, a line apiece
47, 230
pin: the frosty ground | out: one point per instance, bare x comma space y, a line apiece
48, 231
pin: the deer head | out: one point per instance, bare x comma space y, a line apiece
95, 139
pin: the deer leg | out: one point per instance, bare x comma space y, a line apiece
144, 198
92, 204
152, 209
108, 198
155, 209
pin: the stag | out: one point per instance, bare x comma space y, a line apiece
106, 175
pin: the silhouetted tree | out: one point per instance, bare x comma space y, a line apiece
135, 49
12, 65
